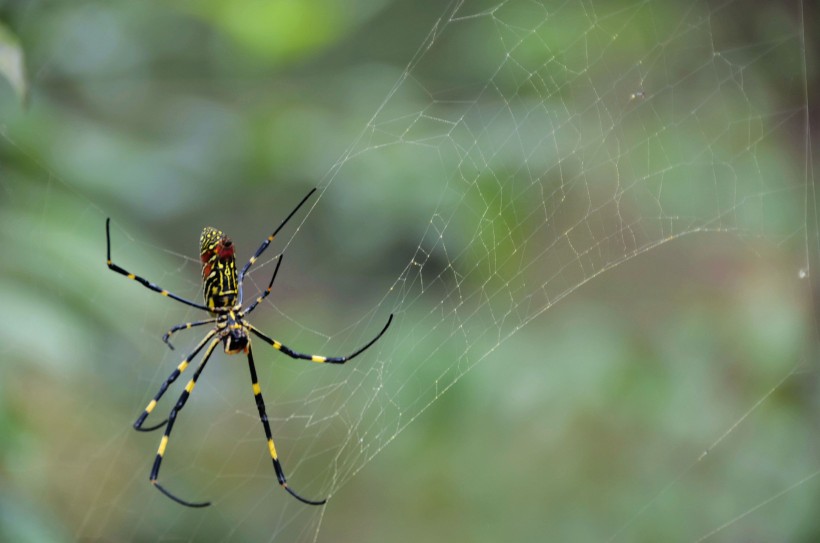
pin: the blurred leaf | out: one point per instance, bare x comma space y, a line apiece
282, 30
12, 64
276, 30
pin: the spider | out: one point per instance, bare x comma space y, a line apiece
222, 291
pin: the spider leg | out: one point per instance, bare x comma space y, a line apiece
171, 378
265, 244
263, 416
313, 357
137, 278
185, 326
267, 290
171, 419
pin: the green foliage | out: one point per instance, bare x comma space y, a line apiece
283, 31
12, 62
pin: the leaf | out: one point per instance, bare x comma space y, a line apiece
284, 30
12, 63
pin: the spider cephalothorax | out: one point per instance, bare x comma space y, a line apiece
223, 300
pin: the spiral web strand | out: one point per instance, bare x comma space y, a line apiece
565, 161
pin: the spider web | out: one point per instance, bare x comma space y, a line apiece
622, 138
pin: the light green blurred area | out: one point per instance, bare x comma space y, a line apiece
593, 222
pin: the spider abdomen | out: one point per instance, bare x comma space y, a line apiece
218, 269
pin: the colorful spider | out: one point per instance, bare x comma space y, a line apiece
222, 290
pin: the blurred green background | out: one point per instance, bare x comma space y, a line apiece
645, 164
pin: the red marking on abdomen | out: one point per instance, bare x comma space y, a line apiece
225, 250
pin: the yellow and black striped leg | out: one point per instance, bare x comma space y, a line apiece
263, 416
166, 338
171, 418
171, 378
267, 241
137, 278
267, 290
313, 357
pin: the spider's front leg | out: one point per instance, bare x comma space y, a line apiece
263, 416
171, 378
183, 398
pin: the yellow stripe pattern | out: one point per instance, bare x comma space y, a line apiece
190, 386
272, 449
182, 365
151, 405
316, 358
257, 390
162, 444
